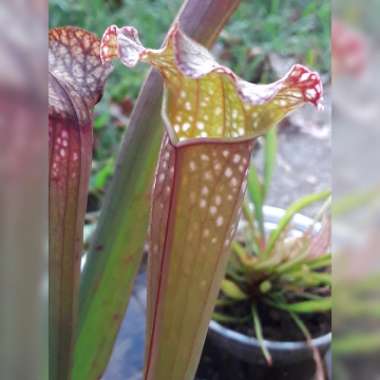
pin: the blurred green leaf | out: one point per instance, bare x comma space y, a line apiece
99, 180
230, 289
356, 343
102, 120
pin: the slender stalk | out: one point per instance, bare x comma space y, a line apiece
259, 334
357, 344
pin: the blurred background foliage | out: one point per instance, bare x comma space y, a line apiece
259, 33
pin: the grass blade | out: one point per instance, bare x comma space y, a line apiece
259, 334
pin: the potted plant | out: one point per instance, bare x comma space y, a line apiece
272, 317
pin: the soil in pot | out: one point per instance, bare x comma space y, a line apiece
277, 324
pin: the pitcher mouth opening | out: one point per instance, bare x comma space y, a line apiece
178, 139
205, 101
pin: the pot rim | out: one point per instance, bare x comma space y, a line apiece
272, 345
299, 221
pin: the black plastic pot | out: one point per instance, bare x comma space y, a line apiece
242, 356
235, 356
